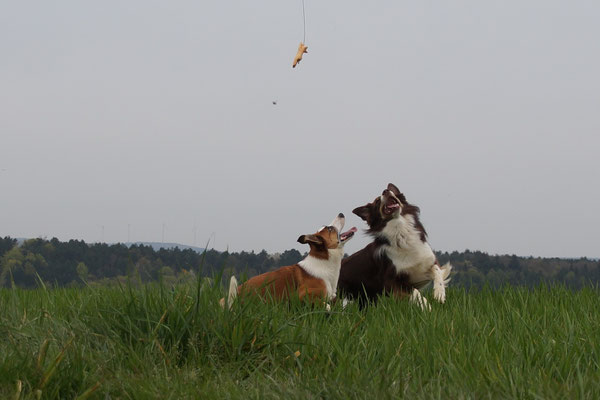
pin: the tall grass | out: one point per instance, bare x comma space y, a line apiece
155, 342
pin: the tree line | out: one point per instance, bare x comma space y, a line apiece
52, 263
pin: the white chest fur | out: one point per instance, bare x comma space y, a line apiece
406, 250
326, 270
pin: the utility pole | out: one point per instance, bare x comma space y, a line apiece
195, 233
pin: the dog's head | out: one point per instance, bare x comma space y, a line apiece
390, 205
329, 238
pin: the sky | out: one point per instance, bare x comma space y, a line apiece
151, 121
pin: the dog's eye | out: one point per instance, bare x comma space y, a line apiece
330, 228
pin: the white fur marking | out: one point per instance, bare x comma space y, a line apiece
439, 290
406, 250
412, 256
231, 295
327, 270
421, 301
440, 281
338, 223
345, 303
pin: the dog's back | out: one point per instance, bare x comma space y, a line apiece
278, 284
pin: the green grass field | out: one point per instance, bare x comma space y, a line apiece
154, 342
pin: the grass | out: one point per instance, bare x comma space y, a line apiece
154, 342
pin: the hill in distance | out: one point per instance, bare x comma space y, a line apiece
156, 246
159, 245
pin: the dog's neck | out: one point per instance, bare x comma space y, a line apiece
401, 242
326, 269
400, 232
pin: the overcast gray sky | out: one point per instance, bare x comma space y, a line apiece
144, 113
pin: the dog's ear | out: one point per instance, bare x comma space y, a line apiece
362, 212
392, 188
314, 239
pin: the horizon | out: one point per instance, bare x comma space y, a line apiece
198, 249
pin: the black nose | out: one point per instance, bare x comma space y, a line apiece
340, 215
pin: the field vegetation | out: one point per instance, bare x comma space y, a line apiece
172, 342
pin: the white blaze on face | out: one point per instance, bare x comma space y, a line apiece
338, 223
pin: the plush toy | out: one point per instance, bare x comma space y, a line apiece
301, 50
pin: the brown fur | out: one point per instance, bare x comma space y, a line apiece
283, 283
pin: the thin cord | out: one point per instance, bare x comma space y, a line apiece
304, 20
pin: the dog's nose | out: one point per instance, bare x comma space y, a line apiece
340, 215
385, 192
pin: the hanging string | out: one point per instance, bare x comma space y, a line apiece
302, 48
304, 22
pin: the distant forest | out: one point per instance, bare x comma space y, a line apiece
52, 263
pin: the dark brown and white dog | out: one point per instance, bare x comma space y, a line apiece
399, 261
314, 278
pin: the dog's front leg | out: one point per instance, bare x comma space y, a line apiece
439, 286
417, 297
314, 296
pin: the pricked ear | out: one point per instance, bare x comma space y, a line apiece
362, 212
314, 239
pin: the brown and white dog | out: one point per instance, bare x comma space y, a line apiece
315, 277
399, 261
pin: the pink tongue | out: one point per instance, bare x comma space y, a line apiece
348, 232
393, 205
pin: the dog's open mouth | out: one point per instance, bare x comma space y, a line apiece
347, 235
391, 205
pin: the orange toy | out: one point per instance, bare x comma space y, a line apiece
301, 50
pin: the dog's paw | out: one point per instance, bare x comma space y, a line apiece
441, 277
345, 303
417, 297
439, 292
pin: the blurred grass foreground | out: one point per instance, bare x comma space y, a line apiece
154, 341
